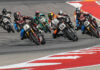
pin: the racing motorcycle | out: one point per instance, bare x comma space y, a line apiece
33, 34
7, 24
44, 26
92, 20
91, 28
68, 32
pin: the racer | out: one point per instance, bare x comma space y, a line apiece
20, 20
68, 20
77, 14
92, 20
53, 17
44, 23
80, 18
37, 18
5, 13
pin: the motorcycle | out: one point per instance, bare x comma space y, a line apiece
33, 34
44, 26
6, 24
94, 31
68, 32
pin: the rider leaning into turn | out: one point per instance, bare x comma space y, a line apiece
37, 18
77, 14
80, 18
37, 21
53, 16
43, 23
20, 20
4, 14
68, 20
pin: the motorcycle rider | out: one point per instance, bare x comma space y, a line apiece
17, 21
5, 13
68, 20
20, 20
57, 18
44, 23
37, 22
6, 17
37, 18
77, 14
80, 18
92, 20
53, 19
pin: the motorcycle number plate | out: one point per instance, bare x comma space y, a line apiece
55, 22
86, 23
5, 20
42, 20
26, 27
62, 26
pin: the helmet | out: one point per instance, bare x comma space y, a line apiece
60, 12
4, 11
78, 10
17, 15
37, 13
50, 15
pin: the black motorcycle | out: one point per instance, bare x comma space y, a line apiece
33, 34
67, 30
91, 28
